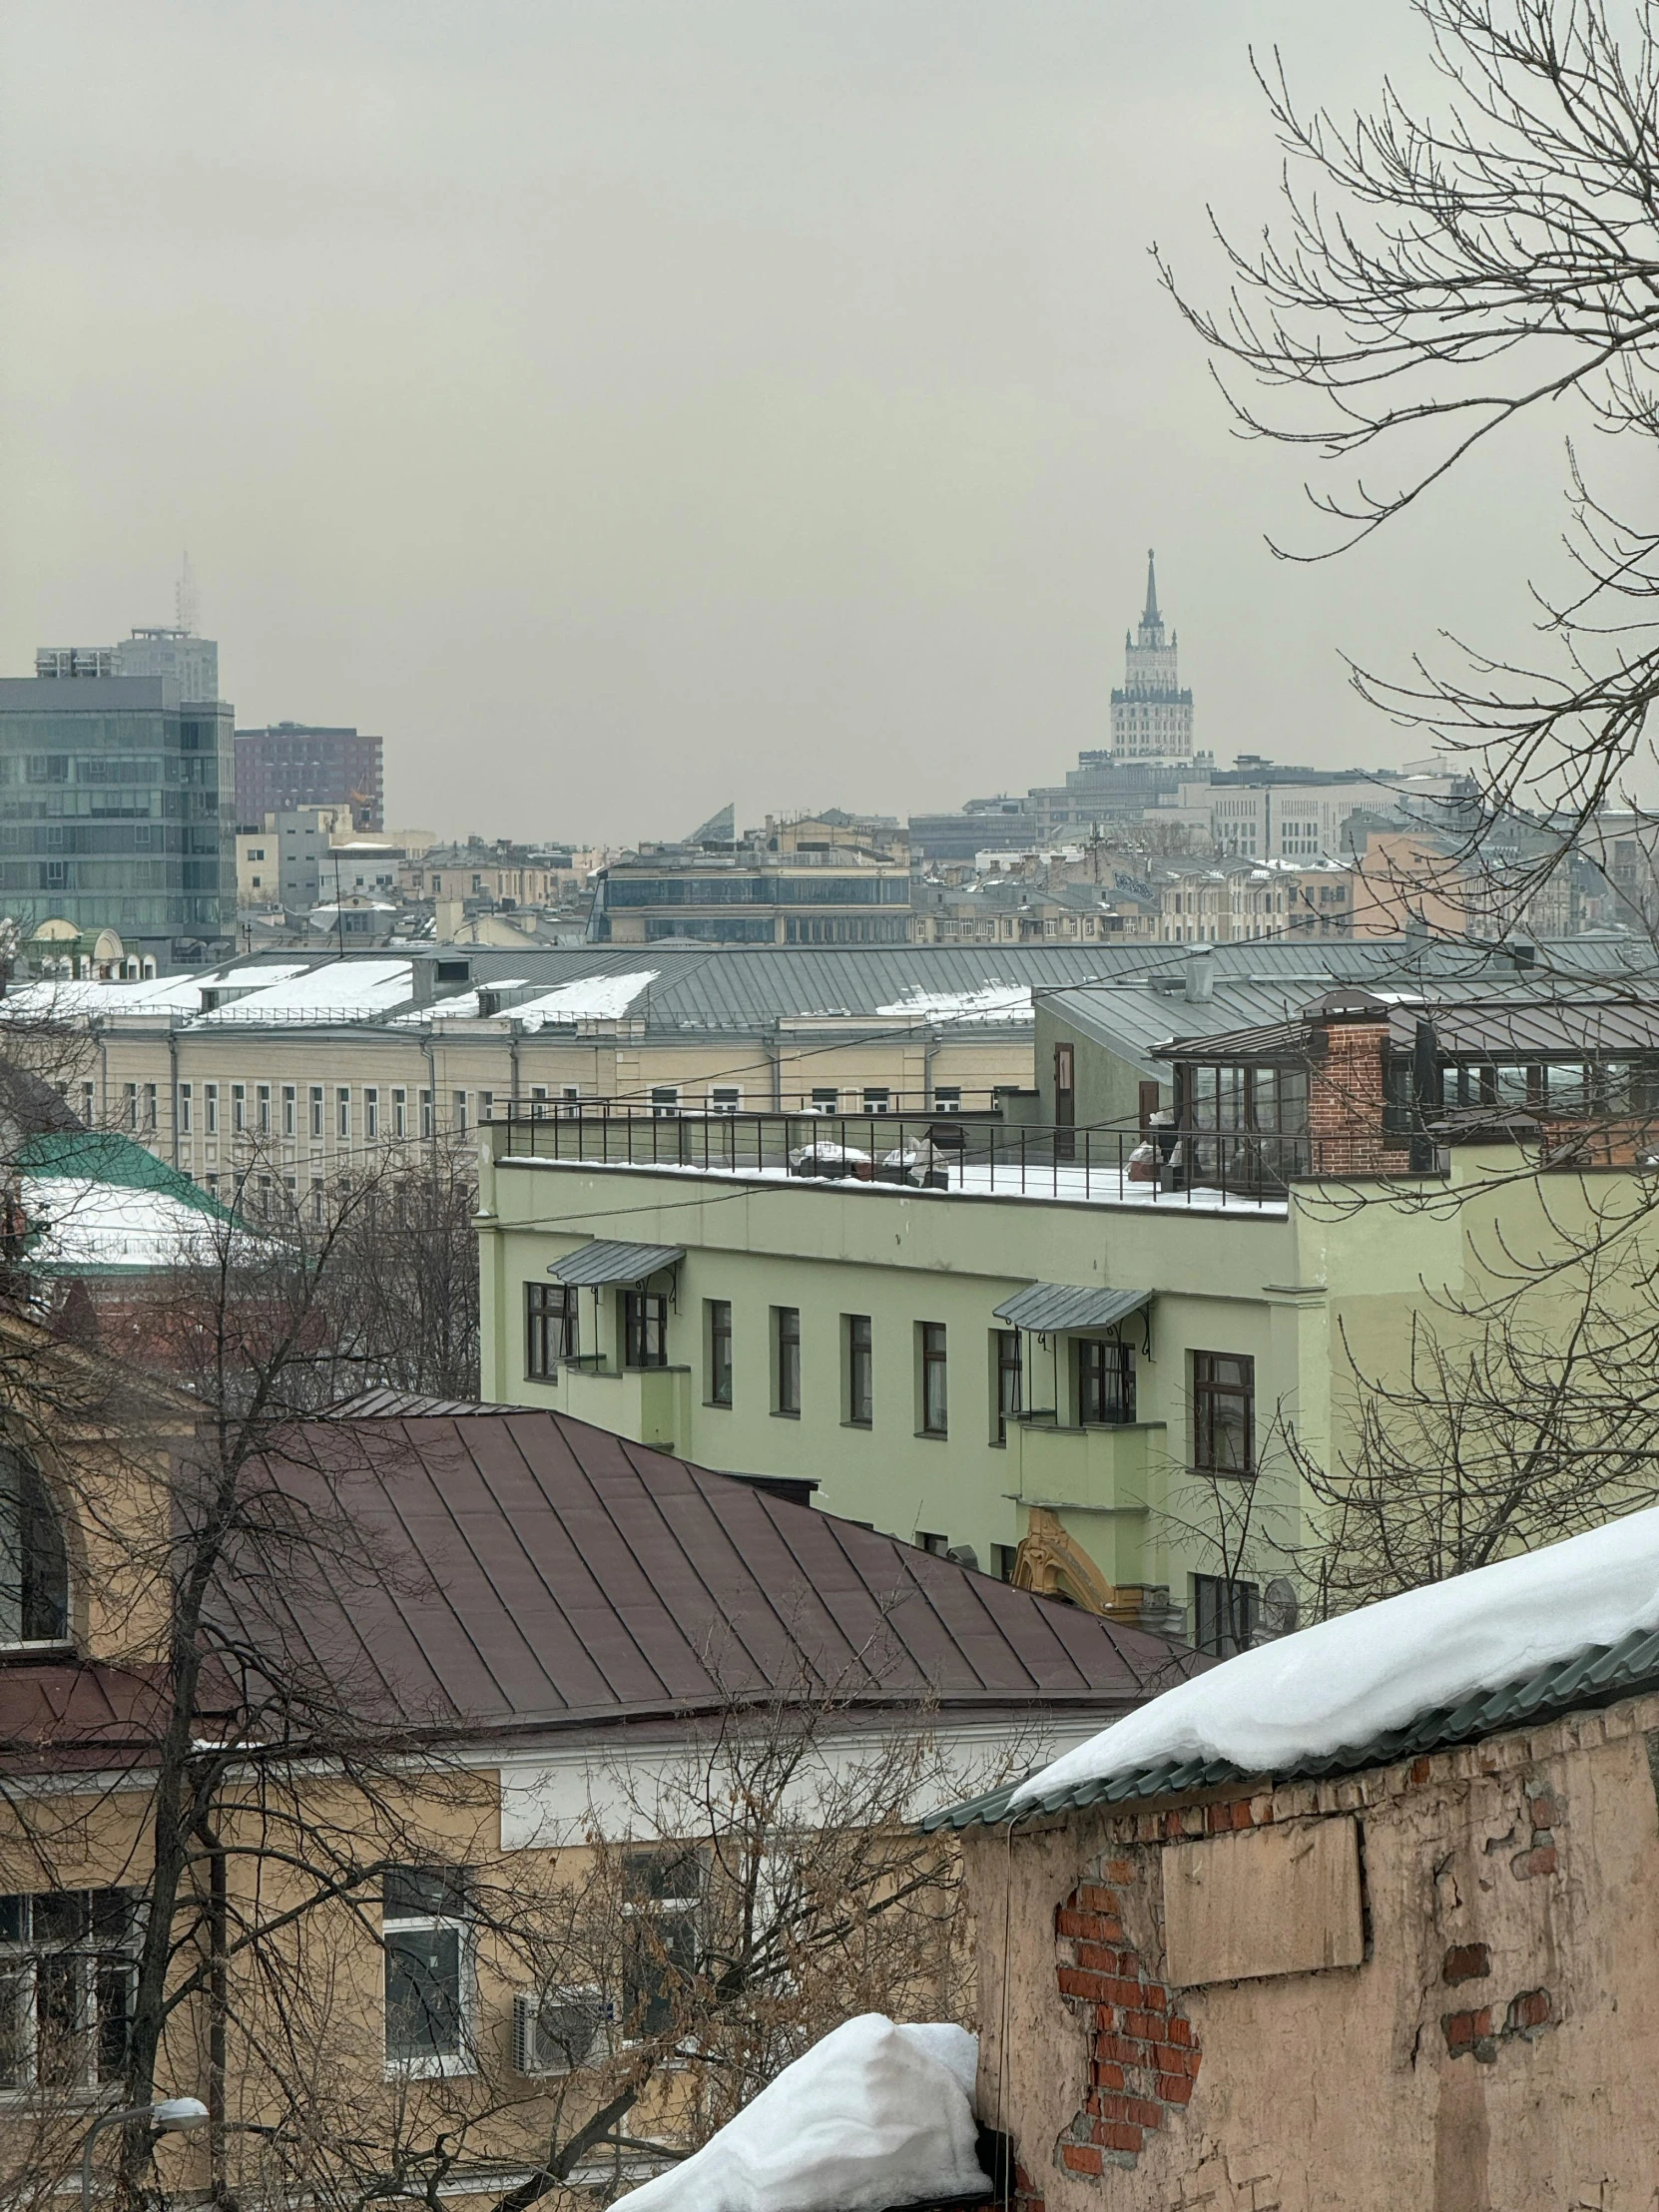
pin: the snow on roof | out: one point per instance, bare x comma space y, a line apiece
339, 990
162, 994
588, 998
1341, 1683
263, 971
990, 1003
96, 1228
874, 2114
463, 1003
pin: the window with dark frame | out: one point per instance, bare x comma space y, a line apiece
1010, 1380
1224, 1412
425, 1933
68, 1970
785, 1324
1105, 1382
549, 1330
34, 1559
662, 1890
644, 1328
861, 1370
719, 1351
935, 1400
1225, 1613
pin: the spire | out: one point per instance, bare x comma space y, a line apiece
1151, 614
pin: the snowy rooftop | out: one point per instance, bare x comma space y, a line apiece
1574, 1623
93, 1228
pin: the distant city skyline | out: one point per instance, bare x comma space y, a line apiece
626, 411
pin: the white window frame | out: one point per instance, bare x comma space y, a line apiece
443, 2065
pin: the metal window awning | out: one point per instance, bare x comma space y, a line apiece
1051, 1308
607, 1261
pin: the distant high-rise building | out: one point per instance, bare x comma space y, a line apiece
292, 764
115, 810
1151, 718
179, 655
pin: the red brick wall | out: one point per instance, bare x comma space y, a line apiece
1143, 2056
1344, 1099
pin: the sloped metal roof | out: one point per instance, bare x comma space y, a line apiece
1054, 1306
607, 1260
1599, 1675
528, 1573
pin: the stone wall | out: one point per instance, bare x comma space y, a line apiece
1494, 2048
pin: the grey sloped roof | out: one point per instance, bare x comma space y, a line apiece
1597, 1676
607, 1260
1048, 1307
1260, 985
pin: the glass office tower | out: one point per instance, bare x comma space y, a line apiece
115, 812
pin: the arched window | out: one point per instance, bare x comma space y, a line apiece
34, 1565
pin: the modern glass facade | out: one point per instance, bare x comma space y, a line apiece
116, 810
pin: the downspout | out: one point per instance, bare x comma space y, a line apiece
930, 1042
774, 1052
173, 1063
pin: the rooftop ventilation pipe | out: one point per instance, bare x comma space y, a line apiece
1199, 985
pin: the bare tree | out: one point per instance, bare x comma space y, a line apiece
1441, 276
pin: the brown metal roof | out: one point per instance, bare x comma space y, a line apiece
537, 1573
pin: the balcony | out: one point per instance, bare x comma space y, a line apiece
944, 1154
652, 1405
1107, 1469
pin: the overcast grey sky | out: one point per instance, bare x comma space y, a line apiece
628, 405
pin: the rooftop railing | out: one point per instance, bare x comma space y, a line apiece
979, 1155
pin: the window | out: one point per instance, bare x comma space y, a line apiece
426, 1113
210, 1107
186, 1110
724, 1099
264, 1186
1224, 1615
662, 1900
371, 1114
947, 1098
1003, 1558
1010, 1380
826, 1099
786, 1347
457, 1111
316, 1201
68, 1961
290, 1111
665, 1101
130, 1105
239, 1108
860, 1376
486, 1105
399, 1113
425, 1935
1105, 1382
34, 1564
877, 1102
538, 1101
931, 1541
934, 1399
88, 1108
644, 1328
149, 1105
549, 1330
262, 1098
719, 1311
343, 1115
315, 1105
1224, 1414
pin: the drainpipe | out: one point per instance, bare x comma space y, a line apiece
774, 1053
930, 1047
173, 1063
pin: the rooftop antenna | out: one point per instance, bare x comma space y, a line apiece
183, 598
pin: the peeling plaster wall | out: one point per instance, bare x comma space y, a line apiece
1495, 2050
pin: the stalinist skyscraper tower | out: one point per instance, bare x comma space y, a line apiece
1151, 718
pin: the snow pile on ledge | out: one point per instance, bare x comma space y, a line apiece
875, 2115
1337, 1686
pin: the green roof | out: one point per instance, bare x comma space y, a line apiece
106, 1156
1597, 1676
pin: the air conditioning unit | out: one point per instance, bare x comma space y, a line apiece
556, 2031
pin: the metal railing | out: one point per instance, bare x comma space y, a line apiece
943, 1152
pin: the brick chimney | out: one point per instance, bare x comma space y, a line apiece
1344, 1083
